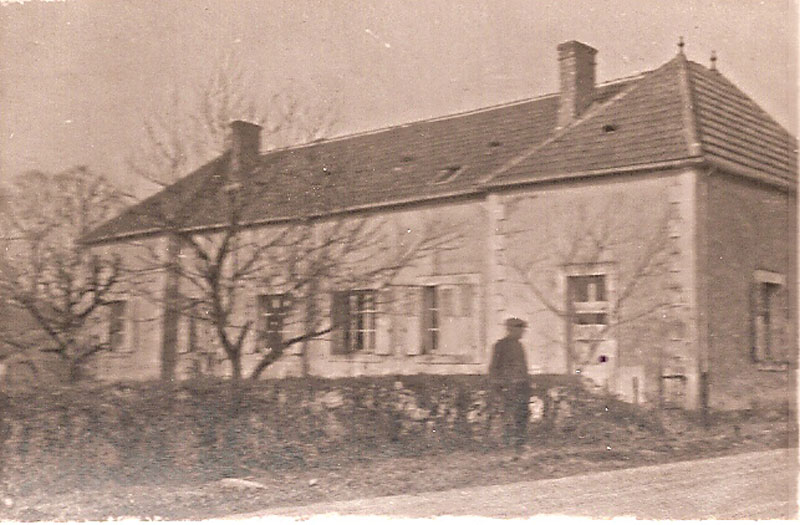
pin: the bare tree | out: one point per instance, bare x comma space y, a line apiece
304, 261
639, 253
195, 129
45, 272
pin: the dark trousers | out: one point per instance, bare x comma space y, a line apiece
511, 401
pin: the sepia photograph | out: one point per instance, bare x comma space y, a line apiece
443, 259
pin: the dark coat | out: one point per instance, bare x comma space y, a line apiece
508, 362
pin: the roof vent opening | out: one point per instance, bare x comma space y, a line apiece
609, 128
448, 174
408, 158
495, 144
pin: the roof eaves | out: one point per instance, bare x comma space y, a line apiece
463, 193
736, 168
652, 166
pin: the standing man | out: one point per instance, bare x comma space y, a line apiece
510, 385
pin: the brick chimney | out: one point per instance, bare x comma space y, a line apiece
576, 71
245, 145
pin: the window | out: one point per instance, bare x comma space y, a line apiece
588, 306
768, 303
353, 316
588, 301
431, 329
189, 331
272, 311
116, 326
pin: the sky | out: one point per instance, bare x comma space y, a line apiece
78, 78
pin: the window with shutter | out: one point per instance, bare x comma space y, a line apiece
116, 326
589, 307
768, 313
340, 321
466, 300
430, 319
272, 312
353, 314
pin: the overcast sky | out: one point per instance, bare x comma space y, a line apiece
77, 78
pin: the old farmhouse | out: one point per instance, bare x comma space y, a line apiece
644, 227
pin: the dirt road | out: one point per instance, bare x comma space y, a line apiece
758, 485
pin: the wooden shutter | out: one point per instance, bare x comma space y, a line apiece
294, 321
340, 319
467, 297
428, 300
133, 324
116, 326
184, 322
396, 310
413, 319
384, 321
450, 325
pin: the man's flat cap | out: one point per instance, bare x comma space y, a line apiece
516, 322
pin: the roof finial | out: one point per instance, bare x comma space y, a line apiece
680, 45
713, 60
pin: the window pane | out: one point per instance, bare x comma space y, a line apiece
271, 320
116, 325
592, 318
588, 288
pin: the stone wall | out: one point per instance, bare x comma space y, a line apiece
751, 227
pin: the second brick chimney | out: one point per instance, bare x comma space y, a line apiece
577, 78
245, 144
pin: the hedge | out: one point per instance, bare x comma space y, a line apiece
209, 428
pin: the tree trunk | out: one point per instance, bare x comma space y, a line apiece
74, 371
169, 343
266, 362
236, 366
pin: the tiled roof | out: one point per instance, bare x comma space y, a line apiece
679, 111
733, 128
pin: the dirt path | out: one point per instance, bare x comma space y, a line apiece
760, 485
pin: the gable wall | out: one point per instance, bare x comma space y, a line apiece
751, 227
141, 286
612, 226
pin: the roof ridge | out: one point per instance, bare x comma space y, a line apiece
690, 120
440, 118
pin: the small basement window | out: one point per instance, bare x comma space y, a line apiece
609, 128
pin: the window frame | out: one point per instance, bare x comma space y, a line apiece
431, 318
118, 329
766, 284
275, 314
589, 335
357, 333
